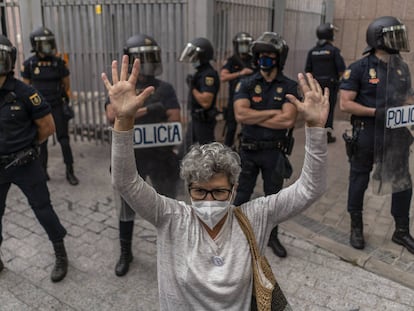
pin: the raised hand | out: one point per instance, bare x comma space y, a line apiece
315, 105
122, 93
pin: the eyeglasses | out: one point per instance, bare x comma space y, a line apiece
217, 194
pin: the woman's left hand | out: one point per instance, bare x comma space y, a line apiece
315, 104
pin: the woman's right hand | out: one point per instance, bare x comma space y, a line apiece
122, 94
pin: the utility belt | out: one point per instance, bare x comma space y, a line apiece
360, 124
263, 145
204, 115
19, 158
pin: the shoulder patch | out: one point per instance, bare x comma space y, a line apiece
35, 99
347, 74
209, 81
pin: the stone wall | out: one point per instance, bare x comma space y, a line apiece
353, 17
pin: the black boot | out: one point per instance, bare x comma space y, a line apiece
122, 266
402, 235
70, 175
61, 265
357, 232
1, 265
275, 244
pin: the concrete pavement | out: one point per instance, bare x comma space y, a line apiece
321, 272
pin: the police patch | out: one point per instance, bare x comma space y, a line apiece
347, 74
36, 71
209, 81
237, 87
258, 89
35, 99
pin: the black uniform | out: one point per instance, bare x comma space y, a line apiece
20, 106
367, 77
205, 79
234, 64
158, 163
326, 64
46, 76
262, 149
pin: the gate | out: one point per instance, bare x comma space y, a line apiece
91, 33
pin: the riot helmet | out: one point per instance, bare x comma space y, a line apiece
147, 50
387, 33
241, 43
43, 41
270, 42
325, 32
7, 56
198, 51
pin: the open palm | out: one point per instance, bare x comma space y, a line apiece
315, 105
122, 92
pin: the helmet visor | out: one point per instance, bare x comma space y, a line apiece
149, 58
395, 38
190, 53
45, 45
243, 47
5, 60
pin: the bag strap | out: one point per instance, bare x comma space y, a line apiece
248, 231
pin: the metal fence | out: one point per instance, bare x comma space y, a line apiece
91, 34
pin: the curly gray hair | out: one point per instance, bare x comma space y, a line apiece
203, 161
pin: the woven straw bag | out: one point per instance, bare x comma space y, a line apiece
267, 295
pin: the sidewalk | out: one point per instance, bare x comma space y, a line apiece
321, 272
327, 222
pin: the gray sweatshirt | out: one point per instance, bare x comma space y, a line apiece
188, 278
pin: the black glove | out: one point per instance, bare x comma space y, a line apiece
156, 108
190, 81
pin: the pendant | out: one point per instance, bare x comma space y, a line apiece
217, 261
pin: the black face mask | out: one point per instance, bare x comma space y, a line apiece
267, 63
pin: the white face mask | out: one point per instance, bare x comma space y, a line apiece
210, 212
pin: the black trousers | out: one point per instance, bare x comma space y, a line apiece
31, 180
361, 167
62, 134
252, 163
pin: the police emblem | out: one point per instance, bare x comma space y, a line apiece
209, 81
399, 72
237, 86
258, 89
36, 71
279, 90
35, 99
347, 74
373, 74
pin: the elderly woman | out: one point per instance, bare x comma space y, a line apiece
204, 260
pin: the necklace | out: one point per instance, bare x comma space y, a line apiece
217, 260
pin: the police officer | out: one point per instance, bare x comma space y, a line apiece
362, 94
50, 76
261, 106
327, 65
26, 121
238, 65
160, 164
204, 86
